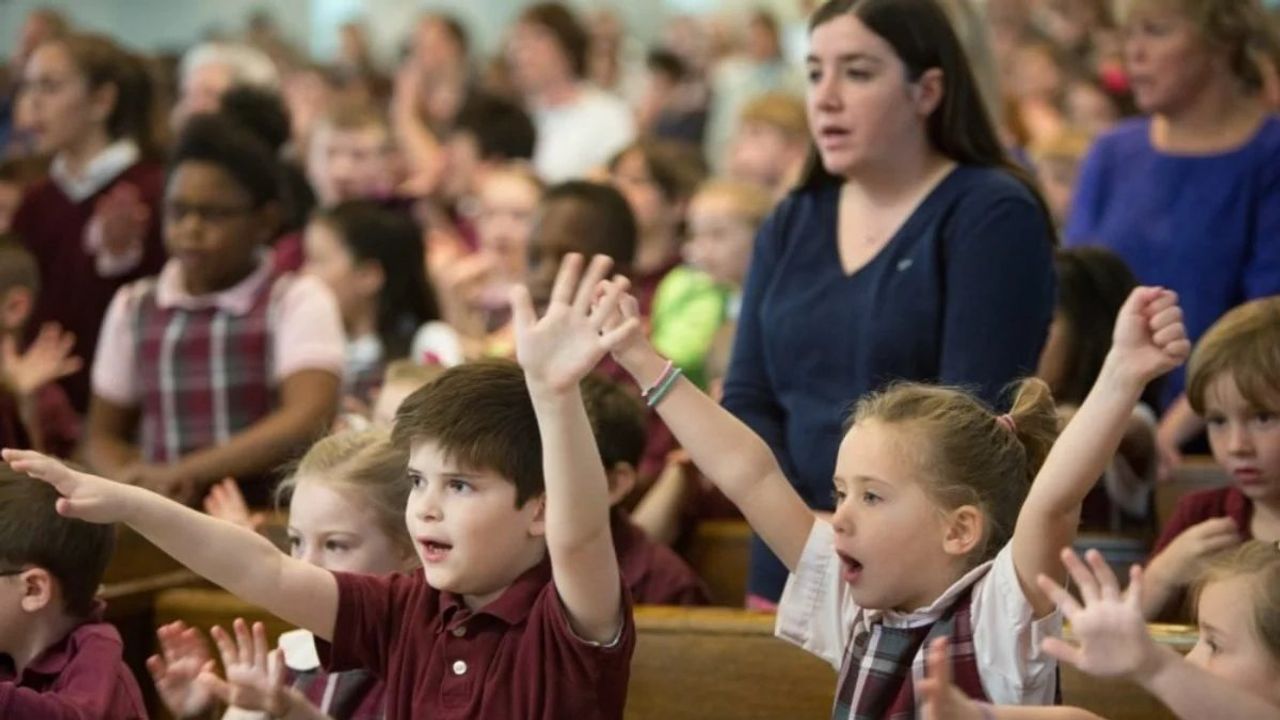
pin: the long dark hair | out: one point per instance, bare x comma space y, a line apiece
374, 233
922, 37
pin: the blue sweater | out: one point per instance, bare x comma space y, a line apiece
1205, 226
963, 294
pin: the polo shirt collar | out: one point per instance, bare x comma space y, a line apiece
511, 607
931, 613
98, 173
171, 291
56, 657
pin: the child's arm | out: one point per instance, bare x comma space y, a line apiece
244, 563
46, 360
1175, 566
724, 449
1149, 340
1113, 642
556, 352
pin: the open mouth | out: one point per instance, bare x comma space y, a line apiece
850, 569
434, 552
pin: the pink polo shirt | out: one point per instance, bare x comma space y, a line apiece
82, 676
307, 329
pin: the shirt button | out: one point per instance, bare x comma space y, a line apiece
459, 667
460, 631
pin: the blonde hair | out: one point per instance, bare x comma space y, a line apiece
751, 201
366, 463
1260, 561
781, 111
1240, 27
410, 373
1244, 343
971, 455
1069, 144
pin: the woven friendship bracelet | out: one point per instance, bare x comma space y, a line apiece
666, 373
661, 391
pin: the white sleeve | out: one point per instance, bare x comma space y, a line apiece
816, 611
436, 343
114, 376
1006, 639
307, 330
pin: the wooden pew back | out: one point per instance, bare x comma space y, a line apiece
718, 553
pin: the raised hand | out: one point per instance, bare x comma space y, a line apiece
47, 359
183, 657
1180, 561
1110, 630
255, 676
226, 502
120, 219
84, 496
559, 349
1149, 338
940, 700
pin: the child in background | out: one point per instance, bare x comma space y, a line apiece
1230, 673
371, 258
1092, 286
216, 367
346, 502
580, 217
938, 530
94, 224
771, 143
402, 379
16, 175
509, 514
696, 301
1057, 164
656, 179
1233, 382
34, 410
352, 156
653, 572
61, 660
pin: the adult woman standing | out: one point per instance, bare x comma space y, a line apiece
1189, 195
93, 226
911, 250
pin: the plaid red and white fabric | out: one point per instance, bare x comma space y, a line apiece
204, 374
877, 679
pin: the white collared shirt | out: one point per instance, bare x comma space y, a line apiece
98, 172
817, 613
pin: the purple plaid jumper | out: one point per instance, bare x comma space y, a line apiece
204, 375
888, 690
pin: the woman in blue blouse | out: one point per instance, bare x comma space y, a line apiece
1189, 195
913, 249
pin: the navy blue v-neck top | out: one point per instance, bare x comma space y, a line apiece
962, 294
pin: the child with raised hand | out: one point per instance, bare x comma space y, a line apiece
936, 532
346, 501
1232, 671
520, 609
1233, 384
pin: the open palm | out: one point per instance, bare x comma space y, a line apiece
183, 657
255, 676
561, 347
48, 358
1150, 338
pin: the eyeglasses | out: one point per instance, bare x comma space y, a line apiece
176, 212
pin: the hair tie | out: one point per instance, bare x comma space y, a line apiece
1006, 421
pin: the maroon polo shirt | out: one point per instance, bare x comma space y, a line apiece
82, 676
514, 658
1204, 505
654, 573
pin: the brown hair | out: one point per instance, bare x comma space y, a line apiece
1241, 28
570, 35
1246, 344
970, 456
481, 416
1260, 561
750, 200
781, 111
365, 463
32, 532
675, 167
17, 265
617, 420
408, 371
352, 115
102, 62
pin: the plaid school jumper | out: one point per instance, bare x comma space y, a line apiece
350, 695
204, 374
884, 689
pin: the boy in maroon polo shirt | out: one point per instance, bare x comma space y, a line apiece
62, 660
520, 611
654, 573
1233, 385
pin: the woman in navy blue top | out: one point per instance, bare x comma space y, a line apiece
912, 250
1189, 196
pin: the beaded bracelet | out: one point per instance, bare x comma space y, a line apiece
661, 391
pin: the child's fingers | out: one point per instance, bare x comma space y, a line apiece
606, 308
158, 668
1107, 582
562, 291
216, 686
597, 270
1133, 594
630, 307
1160, 301
1062, 650
1058, 595
259, 645
1138, 300
1178, 350
226, 647
1169, 334
275, 669
244, 642
1082, 576
619, 335
522, 312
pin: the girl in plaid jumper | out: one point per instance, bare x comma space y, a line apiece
346, 501
938, 530
217, 366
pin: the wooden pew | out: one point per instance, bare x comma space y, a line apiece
718, 553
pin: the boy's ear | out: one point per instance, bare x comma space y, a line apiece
538, 525
15, 308
965, 527
622, 480
38, 589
